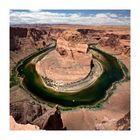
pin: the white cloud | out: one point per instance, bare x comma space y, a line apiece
113, 15
101, 16
38, 16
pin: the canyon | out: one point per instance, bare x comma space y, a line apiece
69, 62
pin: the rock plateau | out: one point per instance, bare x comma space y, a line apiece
71, 57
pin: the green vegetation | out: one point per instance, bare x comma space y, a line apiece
13, 78
14, 73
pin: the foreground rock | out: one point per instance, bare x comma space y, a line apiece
26, 111
33, 113
124, 123
85, 119
121, 124
51, 120
16, 126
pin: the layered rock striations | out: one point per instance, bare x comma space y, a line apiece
124, 122
75, 59
51, 120
22, 38
31, 112
15, 126
69, 62
35, 37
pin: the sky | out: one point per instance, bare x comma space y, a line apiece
81, 17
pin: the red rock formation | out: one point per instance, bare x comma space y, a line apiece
70, 61
31, 112
15, 34
125, 37
124, 123
38, 36
114, 124
27, 37
16, 126
112, 41
26, 111
51, 120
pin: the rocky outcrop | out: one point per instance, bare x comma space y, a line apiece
91, 36
18, 31
111, 40
114, 124
31, 112
26, 111
69, 62
71, 40
36, 34
29, 37
74, 57
15, 34
125, 37
124, 123
51, 120
16, 126
22, 38
118, 42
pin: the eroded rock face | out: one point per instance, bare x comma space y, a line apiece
22, 38
70, 62
112, 41
35, 37
51, 120
31, 112
114, 124
72, 40
124, 123
16, 126
26, 111
15, 34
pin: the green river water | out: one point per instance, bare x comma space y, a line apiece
113, 72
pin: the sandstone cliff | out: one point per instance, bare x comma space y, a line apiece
31, 112
22, 38
71, 42
26, 37
70, 62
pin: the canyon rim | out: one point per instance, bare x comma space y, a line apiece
70, 69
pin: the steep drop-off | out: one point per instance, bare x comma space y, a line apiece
25, 40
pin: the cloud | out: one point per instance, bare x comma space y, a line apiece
101, 16
48, 17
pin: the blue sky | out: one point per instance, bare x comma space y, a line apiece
83, 17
